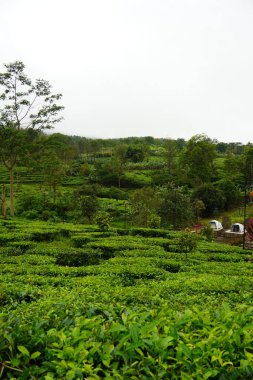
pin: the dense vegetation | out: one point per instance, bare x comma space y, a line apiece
99, 279
138, 181
80, 303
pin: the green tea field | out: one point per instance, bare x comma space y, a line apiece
78, 303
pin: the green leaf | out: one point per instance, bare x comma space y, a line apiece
15, 362
35, 355
24, 350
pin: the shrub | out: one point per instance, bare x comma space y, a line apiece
103, 220
207, 232
22, 245
154, 221
187, 241
113, 192
45, 235
79, 257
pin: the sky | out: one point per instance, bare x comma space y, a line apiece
162, 68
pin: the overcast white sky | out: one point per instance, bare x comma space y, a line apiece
162, 68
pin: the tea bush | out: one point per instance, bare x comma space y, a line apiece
143, 311
79, 257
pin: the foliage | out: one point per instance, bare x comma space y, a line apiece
154, 221
207, 232
79, 257
113, 193
175, 208
89, 206
187, 241
140, 311
136, 153
230, 192
198, 157
103, 220
211, 196
144, 205
26, 108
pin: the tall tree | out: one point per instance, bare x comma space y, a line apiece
176, 208
119, 161
170, 156
144, 205
25, 107
198, 158
248, 164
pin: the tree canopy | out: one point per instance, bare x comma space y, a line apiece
26, 107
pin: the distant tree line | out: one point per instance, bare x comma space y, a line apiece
161, 182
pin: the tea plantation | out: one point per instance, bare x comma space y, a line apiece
78, 303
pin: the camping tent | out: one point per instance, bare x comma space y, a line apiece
215, 225
237, 227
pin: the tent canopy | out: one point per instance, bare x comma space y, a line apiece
215, 225
237, 227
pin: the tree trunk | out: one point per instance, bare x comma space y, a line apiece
3, 202
12, 191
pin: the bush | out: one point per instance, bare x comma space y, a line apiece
46, 235
154, 221
149, 232
30, 214
81, 240
22, 245
103, 220
187, 241
113, 192
207, 232
79, 257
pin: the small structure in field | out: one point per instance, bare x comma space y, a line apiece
235, 234
237, 229
215, 225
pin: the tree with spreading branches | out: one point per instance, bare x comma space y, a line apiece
26, 108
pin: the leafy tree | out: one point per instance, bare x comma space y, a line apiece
180, 143
187, 241
154, 221
92, 147
136, 153
248, 165
103, 220
144, 205
31, 200
170, 155
208, 233
89, 206
233, 169
53, 171
112, 171
105, 173
211, 196
170, 171
25, 107
87, 189
198, 159
198, 208
62, 145
176, 208
119, 161
230, 192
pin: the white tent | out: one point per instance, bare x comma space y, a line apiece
237, 227
215, 225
